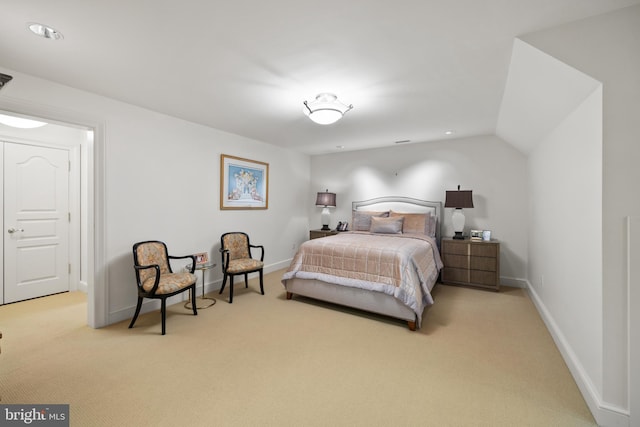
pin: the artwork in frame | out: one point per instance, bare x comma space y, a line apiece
244, 183
476, 235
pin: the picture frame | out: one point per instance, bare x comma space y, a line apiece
244, 183
202, 258
486, 235
476, 235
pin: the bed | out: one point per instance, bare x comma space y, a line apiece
387, 263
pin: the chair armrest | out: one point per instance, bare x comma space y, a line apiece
258, 247
192, 257
157, 280
225, 258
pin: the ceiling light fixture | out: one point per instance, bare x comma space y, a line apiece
45, 31
19, 122
4, 79
326, 109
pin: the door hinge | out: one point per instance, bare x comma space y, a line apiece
69, 268
69, 166
69, 216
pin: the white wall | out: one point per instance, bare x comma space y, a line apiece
493, 169
606, 48
565, 238
161, 181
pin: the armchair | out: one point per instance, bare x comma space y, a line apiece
235, 249
156, 280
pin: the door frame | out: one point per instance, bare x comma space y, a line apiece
97, 297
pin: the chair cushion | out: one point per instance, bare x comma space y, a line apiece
170, 282
244, 264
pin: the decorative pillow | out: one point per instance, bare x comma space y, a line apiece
361, 220
417, 223
431, 230
386, 225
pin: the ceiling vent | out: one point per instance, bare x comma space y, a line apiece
4, 79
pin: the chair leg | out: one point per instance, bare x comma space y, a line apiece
135, 316
224, 282
163, 311
261, 283
246, 280
193, 300
231, 289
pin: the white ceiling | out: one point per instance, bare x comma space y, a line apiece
412, 68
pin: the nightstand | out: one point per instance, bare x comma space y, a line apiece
316, 234
471, 263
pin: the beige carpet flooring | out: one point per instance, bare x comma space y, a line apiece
481, 359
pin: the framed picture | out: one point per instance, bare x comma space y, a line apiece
244, 183
476, 235
202, 258
486, 235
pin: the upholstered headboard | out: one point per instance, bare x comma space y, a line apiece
402, 204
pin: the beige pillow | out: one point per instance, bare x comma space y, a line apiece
417, 223
386, 225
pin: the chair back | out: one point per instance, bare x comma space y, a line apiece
237, 243
148, 253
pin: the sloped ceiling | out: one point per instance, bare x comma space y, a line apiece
540, 92
412, 69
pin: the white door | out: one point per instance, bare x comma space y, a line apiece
36, 221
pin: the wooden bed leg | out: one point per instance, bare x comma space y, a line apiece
289, 295
412, 325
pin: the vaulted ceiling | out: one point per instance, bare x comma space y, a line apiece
413, 69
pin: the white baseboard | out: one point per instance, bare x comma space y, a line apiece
605, 414
513, 282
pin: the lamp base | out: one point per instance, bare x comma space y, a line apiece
458, 235
325, 227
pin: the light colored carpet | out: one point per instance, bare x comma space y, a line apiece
481, 359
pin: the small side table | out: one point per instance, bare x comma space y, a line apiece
211, 301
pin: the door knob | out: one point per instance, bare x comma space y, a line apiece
14, 230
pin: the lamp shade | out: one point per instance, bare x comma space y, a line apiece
460, 199
326, 199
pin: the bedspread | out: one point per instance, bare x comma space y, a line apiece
403, 265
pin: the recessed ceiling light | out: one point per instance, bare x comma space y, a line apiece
448, 132
45, 31
339, 147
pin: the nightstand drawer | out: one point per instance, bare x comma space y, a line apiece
455, 261
458, 275
486, 250
484, 263
455, 248
484, 277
